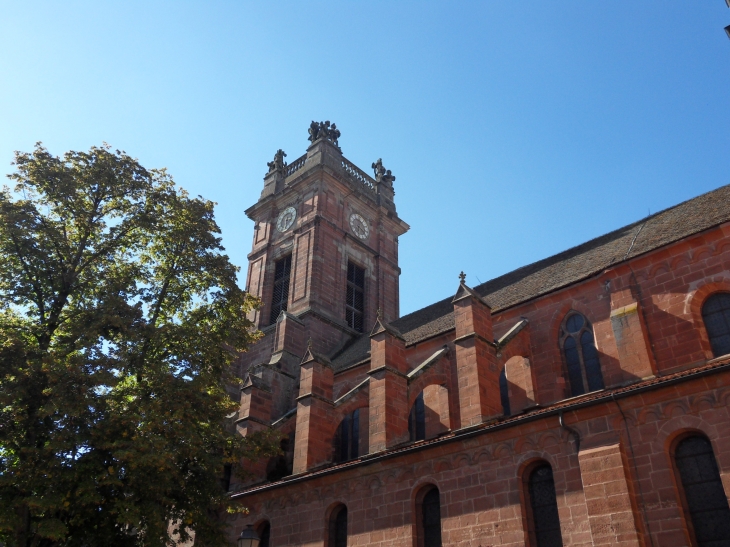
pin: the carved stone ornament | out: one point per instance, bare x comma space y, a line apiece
323, 130
382, 174
278, 164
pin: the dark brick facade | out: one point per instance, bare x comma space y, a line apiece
639, 292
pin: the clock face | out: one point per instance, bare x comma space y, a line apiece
359, 226
286, 219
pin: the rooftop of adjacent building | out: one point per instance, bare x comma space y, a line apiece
561, 270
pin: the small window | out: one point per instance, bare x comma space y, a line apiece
544, 522
417, 420
704, 497
504, 391
431, 519
338, 527
581, 356
355, 304
264, 533
280, 295
347, 439
716, 315
226, 479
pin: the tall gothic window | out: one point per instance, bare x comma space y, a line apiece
704, 497
504, 391
544, 525
430, 525
581, 356
338, 527
417, 420
264, 533
716, 315
347, 439
280, 295
355, 304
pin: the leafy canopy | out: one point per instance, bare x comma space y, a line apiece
119, 319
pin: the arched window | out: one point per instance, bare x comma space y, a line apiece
338, 527
544, 523
282, 465
504, 391
429, 519
264, 532
417, 420
716, 315
581, 356
347, 439
704, 497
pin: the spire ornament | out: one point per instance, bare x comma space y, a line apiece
278, 164
382, 175
462, 277
323, 130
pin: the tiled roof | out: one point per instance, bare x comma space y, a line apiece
563, 269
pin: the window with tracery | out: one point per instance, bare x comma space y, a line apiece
417, 420
716, 315
430, 525
280, 295
704, 496
544, 520
338, 527
347, 439
581, 355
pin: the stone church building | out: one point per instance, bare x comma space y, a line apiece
580, 400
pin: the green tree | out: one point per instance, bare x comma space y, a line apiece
119, 319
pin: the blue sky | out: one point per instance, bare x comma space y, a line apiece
515, 129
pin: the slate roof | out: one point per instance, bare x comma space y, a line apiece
563, 269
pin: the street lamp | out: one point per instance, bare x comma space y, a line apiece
249, 537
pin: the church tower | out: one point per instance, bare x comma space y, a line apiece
325, 248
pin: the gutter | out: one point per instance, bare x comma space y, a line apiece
473, 431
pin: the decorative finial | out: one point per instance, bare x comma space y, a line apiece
278, 164
382, 174
462, 277
323, 130
309, 344
380, 314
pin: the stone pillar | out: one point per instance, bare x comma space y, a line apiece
388, 388
256, 404
254, 415
520, 384
476, 361
312, 448
612, 514
631, 336
290, 334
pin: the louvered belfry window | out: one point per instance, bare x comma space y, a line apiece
716, 315
545, 530
704, 495
280, 296
431, 508
355, 304
338, 527
347, 440
581, 356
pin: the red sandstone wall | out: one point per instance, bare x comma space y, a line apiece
481, 484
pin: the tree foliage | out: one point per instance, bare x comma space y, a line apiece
119, 319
